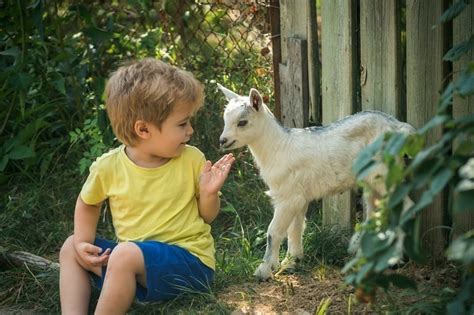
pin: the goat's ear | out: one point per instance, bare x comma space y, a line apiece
255, 99
228, 93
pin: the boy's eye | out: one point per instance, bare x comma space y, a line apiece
242, 123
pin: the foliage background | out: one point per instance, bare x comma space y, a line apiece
54, 60
55, 57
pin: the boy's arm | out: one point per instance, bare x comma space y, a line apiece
86, 218
210, 182
209, 205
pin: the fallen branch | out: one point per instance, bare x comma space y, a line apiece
20, 258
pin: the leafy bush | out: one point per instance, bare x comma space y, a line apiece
393, 231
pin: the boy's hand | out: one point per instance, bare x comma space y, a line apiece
213, 176
91, 254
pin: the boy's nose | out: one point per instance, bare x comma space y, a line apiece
190, 130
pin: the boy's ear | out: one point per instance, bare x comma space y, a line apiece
141, 129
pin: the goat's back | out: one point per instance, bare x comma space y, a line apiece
318, 160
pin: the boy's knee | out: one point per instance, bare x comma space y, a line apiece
125, 255
67, 250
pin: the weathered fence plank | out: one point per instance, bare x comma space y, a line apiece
463, 28
297, 21
425, 74
314, 66
338, 87
294, 85
380, 78
275, 27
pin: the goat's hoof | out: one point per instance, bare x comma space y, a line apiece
263, 272
289, 264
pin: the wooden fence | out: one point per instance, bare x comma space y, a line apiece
384, 55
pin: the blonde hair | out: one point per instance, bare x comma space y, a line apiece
148, 90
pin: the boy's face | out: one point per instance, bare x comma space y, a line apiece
175, 131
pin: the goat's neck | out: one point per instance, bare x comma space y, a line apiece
271, 143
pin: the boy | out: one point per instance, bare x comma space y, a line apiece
162, 193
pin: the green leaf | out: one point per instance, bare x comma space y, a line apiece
14, 52
462, 249
465, 83
425, 171
350, 278
363, 173
411, 246
20, 152
453, 11
426, 199
395, 144
365, 156
97, 35
440, 180
395, 174
3, 163
383, 259
464, 201
446, 98
364, 270
350, 264
400, 193
415, 144
464, 148
20, 81
59, 84
437, 149
372, 243
434, 122
460, 49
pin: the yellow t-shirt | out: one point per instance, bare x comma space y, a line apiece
153, 203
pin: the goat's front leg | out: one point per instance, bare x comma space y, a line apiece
283, 216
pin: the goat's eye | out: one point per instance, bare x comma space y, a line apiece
242, 123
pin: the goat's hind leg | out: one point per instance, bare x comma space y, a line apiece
295, 241
370, 198
284, 214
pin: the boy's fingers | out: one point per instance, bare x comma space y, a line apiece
106, 252
90, 248
225, 161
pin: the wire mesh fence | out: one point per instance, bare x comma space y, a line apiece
222, 34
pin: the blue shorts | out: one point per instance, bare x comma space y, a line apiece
170, 271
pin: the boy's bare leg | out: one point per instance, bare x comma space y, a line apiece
74, 281
126, 266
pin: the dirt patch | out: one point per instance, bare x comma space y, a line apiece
305, 292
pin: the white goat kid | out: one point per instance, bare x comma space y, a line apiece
299, 165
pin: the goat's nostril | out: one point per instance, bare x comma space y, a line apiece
223, 141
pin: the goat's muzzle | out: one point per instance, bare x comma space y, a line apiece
224, 143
